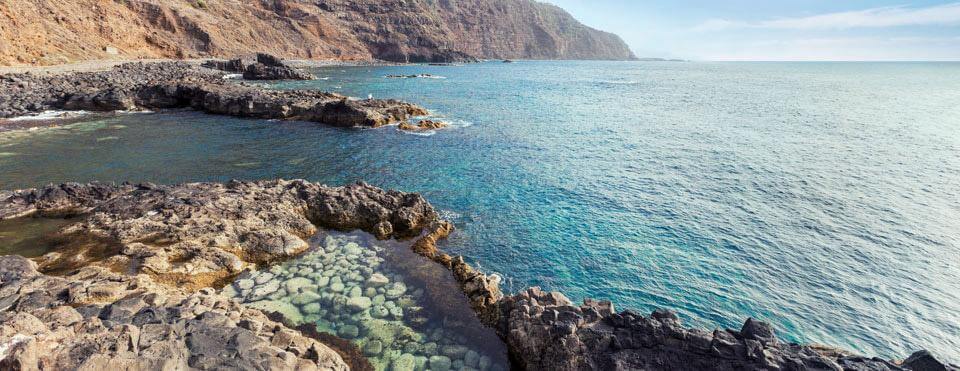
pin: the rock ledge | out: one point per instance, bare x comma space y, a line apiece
166, 85
192, 236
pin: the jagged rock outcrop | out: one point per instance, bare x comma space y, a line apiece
197, 235
546, 331
95, 319
189, 236
53, 32
182, 85
423, 125
260, 66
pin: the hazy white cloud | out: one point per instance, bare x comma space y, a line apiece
946, 14
836, 48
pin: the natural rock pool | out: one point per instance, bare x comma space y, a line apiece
403, 311
29, 237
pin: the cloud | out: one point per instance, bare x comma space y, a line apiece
946, 14
836, 49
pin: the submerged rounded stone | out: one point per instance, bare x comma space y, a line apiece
358, 304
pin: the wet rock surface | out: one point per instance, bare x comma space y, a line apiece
260, 66
167, 85
95, 319
423, 125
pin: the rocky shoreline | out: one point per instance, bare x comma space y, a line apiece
168, 85
177, 241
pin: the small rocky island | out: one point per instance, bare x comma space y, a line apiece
143, 294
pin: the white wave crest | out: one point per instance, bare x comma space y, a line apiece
49, 115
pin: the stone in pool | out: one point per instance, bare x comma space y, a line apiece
349, 331
395, 290
359, 303
383, 299
294, 285
440, 363
377, 280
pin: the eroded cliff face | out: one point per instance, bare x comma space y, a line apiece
52, 32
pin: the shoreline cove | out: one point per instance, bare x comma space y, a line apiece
163, 273
183, 239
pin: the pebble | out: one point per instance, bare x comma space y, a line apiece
373, 347
352, 249
312, 308
411, 347
305, 298
322, 281
406, 362
440, 363
471, 358
358, 304
377, 280
395, 290
484, 363
245, 284
296, 284
454, 351
348, 331
379, 311
430, 348
355, 292
266, 288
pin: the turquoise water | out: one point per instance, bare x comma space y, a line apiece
824, 198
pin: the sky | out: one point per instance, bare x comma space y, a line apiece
849, 30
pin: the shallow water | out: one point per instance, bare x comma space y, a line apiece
29, 237
823, 197
401, 309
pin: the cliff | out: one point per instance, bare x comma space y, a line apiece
53, 32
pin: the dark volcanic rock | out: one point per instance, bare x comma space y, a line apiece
260, 66
99, 320
546, 331
181, 85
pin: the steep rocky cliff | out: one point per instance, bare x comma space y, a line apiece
53, 31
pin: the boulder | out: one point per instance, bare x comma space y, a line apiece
359, 304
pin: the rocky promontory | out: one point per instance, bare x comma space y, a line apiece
185, 238
165, 85
95, 319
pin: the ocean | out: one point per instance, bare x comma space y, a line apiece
822, 197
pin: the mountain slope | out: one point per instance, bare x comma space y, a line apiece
56, 31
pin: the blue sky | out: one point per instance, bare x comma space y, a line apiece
779, 30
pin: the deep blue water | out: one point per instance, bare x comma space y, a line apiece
823, 197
